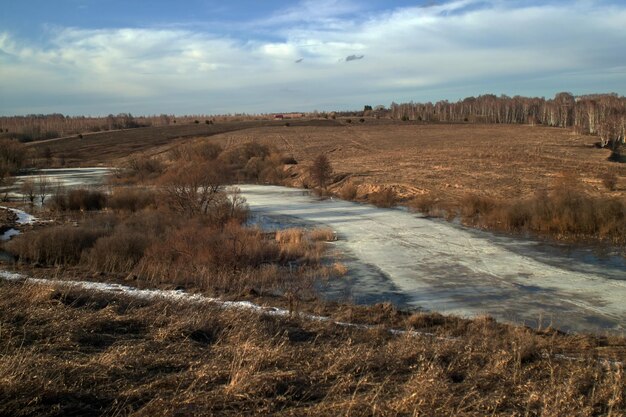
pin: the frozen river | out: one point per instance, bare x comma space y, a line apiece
415, 262
431, 264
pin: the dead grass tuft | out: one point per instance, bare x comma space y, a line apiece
385, 198
96, 354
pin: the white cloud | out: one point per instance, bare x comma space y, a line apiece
407, 52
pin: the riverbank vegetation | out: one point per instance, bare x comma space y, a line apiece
176, 221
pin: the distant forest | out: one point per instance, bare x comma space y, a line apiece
603, 115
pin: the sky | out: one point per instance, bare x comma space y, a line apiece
95, 57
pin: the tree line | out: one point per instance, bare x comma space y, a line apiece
603, 115
48, 126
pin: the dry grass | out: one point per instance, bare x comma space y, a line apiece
68, 352
58, 245
111, 147
449, 170
322, 234
384, 198
448, 160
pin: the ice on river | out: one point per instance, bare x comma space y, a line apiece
434, 265
65, 177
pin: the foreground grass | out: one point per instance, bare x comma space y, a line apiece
70, 352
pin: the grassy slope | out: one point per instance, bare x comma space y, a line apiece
65, 352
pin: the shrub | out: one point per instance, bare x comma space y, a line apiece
86, 200
131, 199
239, 156
77, 199
348, 191
145, 168
119, 252
57, 245
618, 154
202, 151
199, 254
324, 234
301, 246
474, 206
385, 198
424, 203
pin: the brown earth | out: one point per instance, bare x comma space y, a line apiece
106, 148
501, 161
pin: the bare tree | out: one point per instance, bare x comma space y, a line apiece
44, 186
28, 191
321, 171
237, 202
194, 188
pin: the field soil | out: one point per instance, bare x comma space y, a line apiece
444, 160
451, 160
108, 148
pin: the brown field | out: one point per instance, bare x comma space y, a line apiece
106, 148
513, 178
70, 352
501, 161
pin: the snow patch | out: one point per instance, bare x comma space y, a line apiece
8, 234
22, 216
181, 296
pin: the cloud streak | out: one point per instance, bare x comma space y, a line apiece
417, 53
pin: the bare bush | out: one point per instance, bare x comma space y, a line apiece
202, 151
144, 168
348, 191
385, 198
474, 206
28, 190
566, 212
425, 203
205, 256
85, 200
131, 199
44, 187
12, 156
119, 252
59, 245
194, 189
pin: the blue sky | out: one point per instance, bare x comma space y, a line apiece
98, 57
